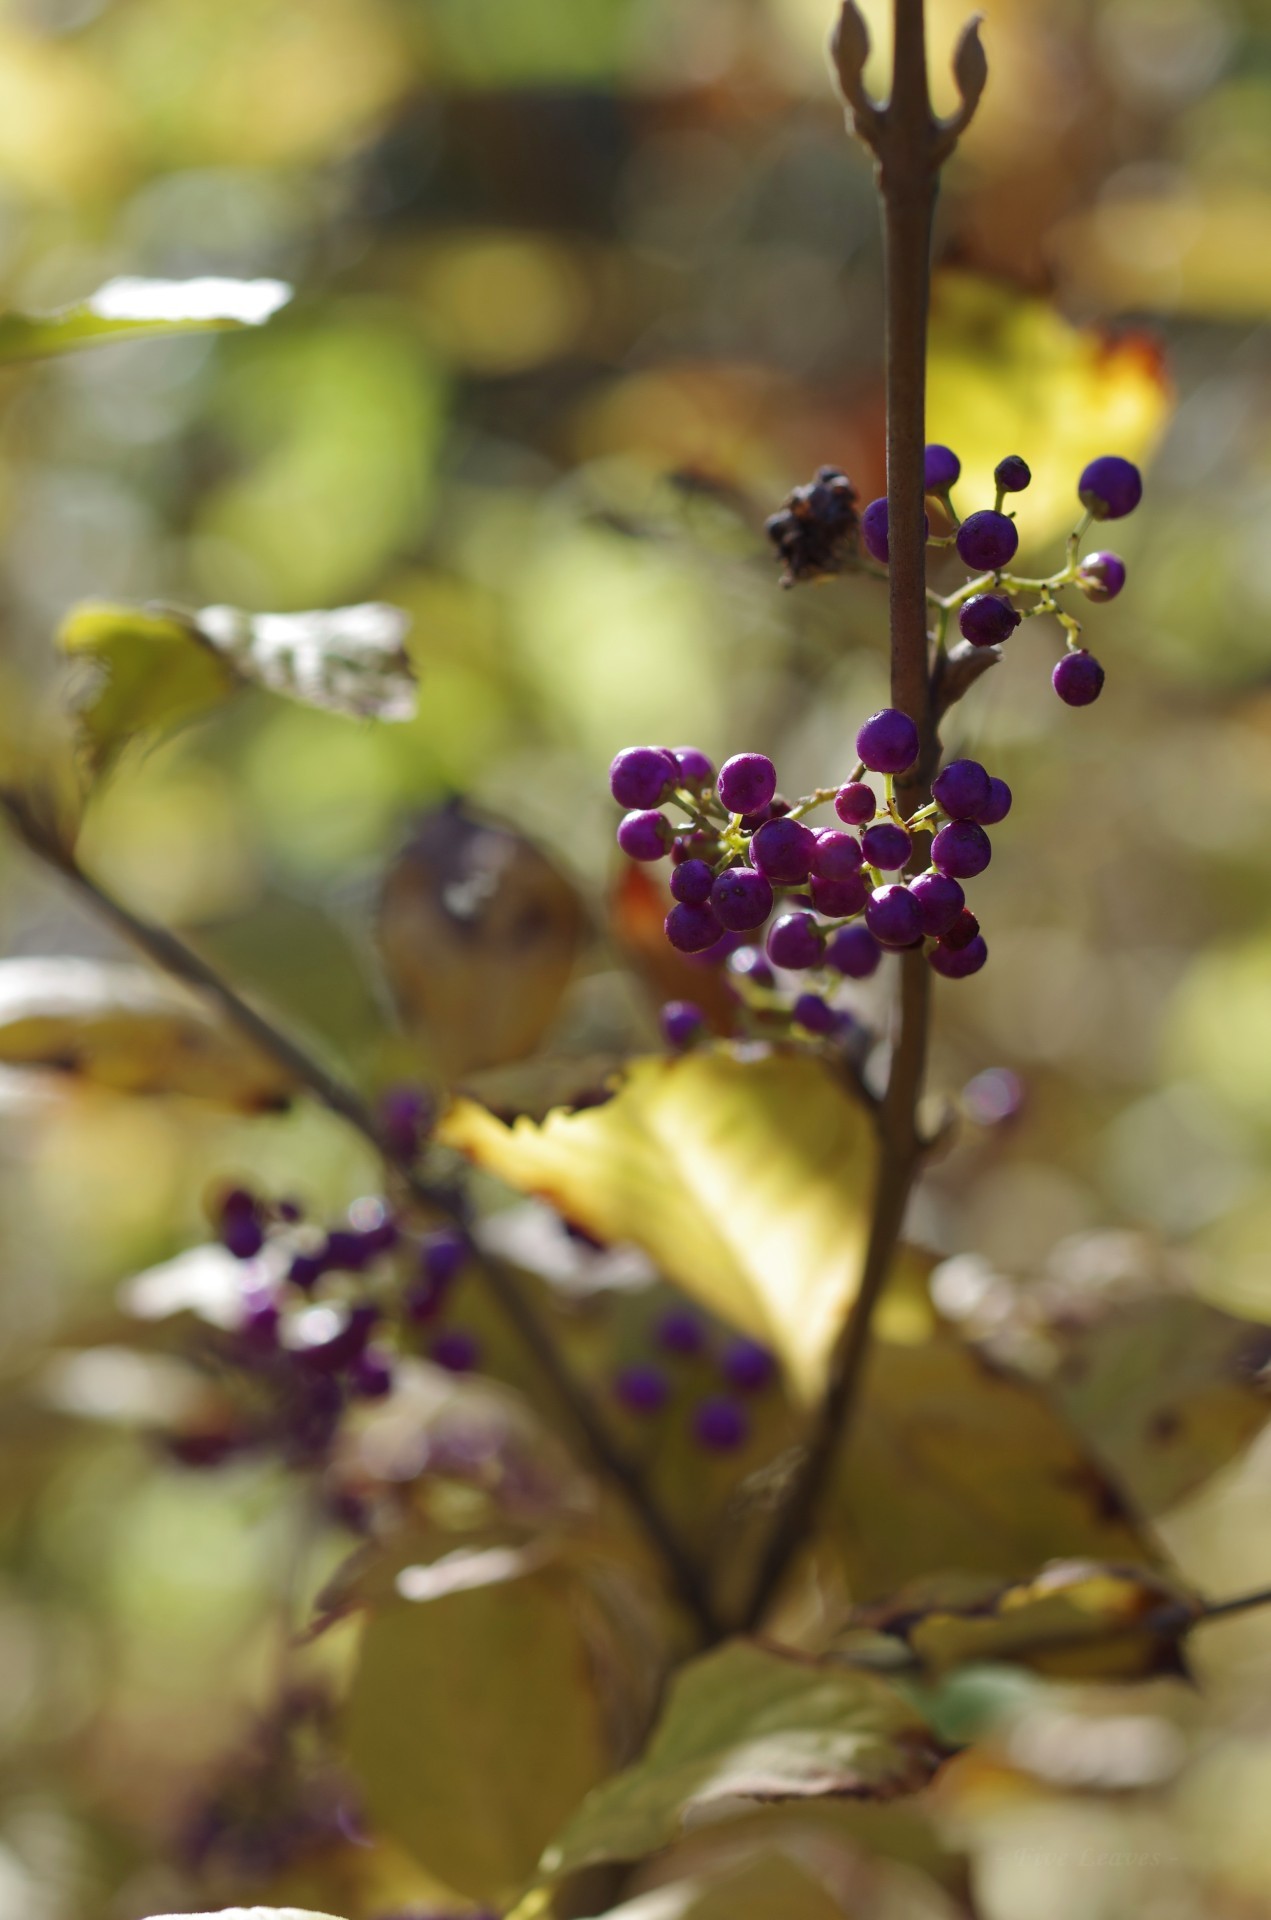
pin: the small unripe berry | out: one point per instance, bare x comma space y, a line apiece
642, 1388
720, 1425
893, 918
961, 789
961, 850
840, 899
1078, 678
987, 540
940, 468
836, 856
940, 900
1101, 576
748, 1366
957, 963
886, 845
794, 941
999, 803
741, 899
682, 1023
642, 776
1110, 487
854, 951
888, 741
855, 803
692, 881
645, 835
695, 769
691, 929
1012, 475
747, 782
782, 851
986, 620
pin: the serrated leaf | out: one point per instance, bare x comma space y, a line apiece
474, 1728
133, 1031
349, 660
745, 1180
743, 1723
142, 674
130, 309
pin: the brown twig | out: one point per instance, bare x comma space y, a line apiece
169, 953
910, 145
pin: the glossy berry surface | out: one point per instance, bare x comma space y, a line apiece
683, 1023
986, 619
642, 776
886, 845
747, 782
692, 881
1012, 475
840, 899
874, 531
1110, 487
940, 901
836, 856
741, 899
854, 952
692, 929
1078, 678
1101, 576
645, 835
940, 468
961, 850
987, 541
855, 803
999, 803
960, 962
794, 941
888, 741
962, 789
817, 1015
642, 1388
782, 851
720, 1425
748, 1366
695, 769
893, 918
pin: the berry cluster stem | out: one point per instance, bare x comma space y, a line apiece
910, 145
171, 955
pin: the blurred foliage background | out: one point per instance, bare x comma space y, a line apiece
582, 289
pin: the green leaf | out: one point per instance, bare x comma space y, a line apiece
743, 1179
122, 1027
743, 1723
144, 673
769, 1886
475, 1727
130, 309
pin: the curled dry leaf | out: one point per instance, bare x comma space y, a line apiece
479, 933
121, 1027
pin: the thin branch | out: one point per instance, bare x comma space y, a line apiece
173, 956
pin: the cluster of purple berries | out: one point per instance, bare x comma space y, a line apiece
718, 1419
840, 901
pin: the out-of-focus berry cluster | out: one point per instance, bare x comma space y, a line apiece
690, 1374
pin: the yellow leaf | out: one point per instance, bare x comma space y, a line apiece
143, 673
746, 1180
1008, 374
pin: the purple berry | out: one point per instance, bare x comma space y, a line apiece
682, 1023
695, 769
371, 1375
963, 931
987, 541
344, 1346
962, 789
886, 845
893, 918
642, 776
782, 851
999, 803
747, 782
741, 899
794, 942
1101, 576
817, 1015
645, 836
1078, 678
748, 1366
840, 899
957, 963
306, 1270
692, 881
258, 1328
940, 468
874, 530
855, 803
854, 951
836, 856
1012, 475
406, 1115
642, 1388
1110, 487
692, 929
749, 964
940, 900
424, 1301
720, 1425
986, 620
443, 1255
455, 1349
961, 850
888, 741
680, 1331
242, 1235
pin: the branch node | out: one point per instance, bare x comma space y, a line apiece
971, 71
849, 51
